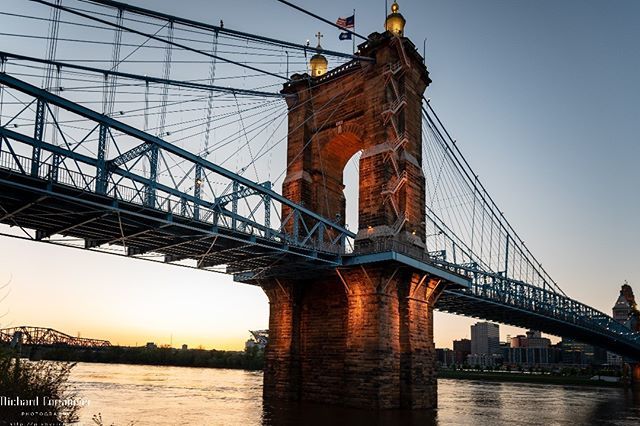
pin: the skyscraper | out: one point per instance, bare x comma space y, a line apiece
621, 309
461, 349
485, 339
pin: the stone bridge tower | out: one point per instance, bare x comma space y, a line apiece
361, 335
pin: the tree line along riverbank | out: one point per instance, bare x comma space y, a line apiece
253, 359
250, 359
527, 377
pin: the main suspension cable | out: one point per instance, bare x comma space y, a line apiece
151, 36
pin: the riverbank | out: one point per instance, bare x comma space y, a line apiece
243, 360
505, 376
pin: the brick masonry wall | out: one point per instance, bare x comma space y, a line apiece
368, 343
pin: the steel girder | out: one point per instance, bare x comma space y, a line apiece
38, 336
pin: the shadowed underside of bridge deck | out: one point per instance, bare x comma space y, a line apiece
54, 210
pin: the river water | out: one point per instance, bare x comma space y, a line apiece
158, 396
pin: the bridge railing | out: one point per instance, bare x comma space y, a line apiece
388, 244
207, 193
534, 299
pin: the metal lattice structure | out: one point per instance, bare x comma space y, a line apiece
120, 206
38, 336
109, 180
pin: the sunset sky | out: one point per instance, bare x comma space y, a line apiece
541, 96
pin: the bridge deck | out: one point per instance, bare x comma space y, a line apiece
467, 304
52, 209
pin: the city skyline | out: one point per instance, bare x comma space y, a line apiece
561, 140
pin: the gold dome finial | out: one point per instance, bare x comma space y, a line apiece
318, 62
395, 21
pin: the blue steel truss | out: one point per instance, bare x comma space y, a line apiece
104, 200
494, 297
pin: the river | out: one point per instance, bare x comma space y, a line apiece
158, 396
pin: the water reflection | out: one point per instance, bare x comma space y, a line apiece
286, 414
167, 396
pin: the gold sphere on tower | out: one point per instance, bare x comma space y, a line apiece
395, 21
319, 65
318, 62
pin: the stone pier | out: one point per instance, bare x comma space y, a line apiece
364, 342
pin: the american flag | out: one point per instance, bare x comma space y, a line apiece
348, 22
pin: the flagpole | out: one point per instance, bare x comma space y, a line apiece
385, 9
354, 30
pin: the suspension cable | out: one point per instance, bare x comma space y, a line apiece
475, 184
151, 36
227, 31
178, 83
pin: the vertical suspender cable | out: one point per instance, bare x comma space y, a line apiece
110, 83
146, 119
166, 72
212, 77
153, 153
109, 94
3, 62
51, 83
52, 44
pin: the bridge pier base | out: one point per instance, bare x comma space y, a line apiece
362, 337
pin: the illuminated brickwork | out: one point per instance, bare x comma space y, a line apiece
364, 342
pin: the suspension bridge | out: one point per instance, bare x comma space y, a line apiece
171, 150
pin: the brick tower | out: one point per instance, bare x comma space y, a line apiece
360, 335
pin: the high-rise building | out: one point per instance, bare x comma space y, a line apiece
518, 341
485, 339
534, 334
621, 309
461, 348
622, 312
445, 357
535, 340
